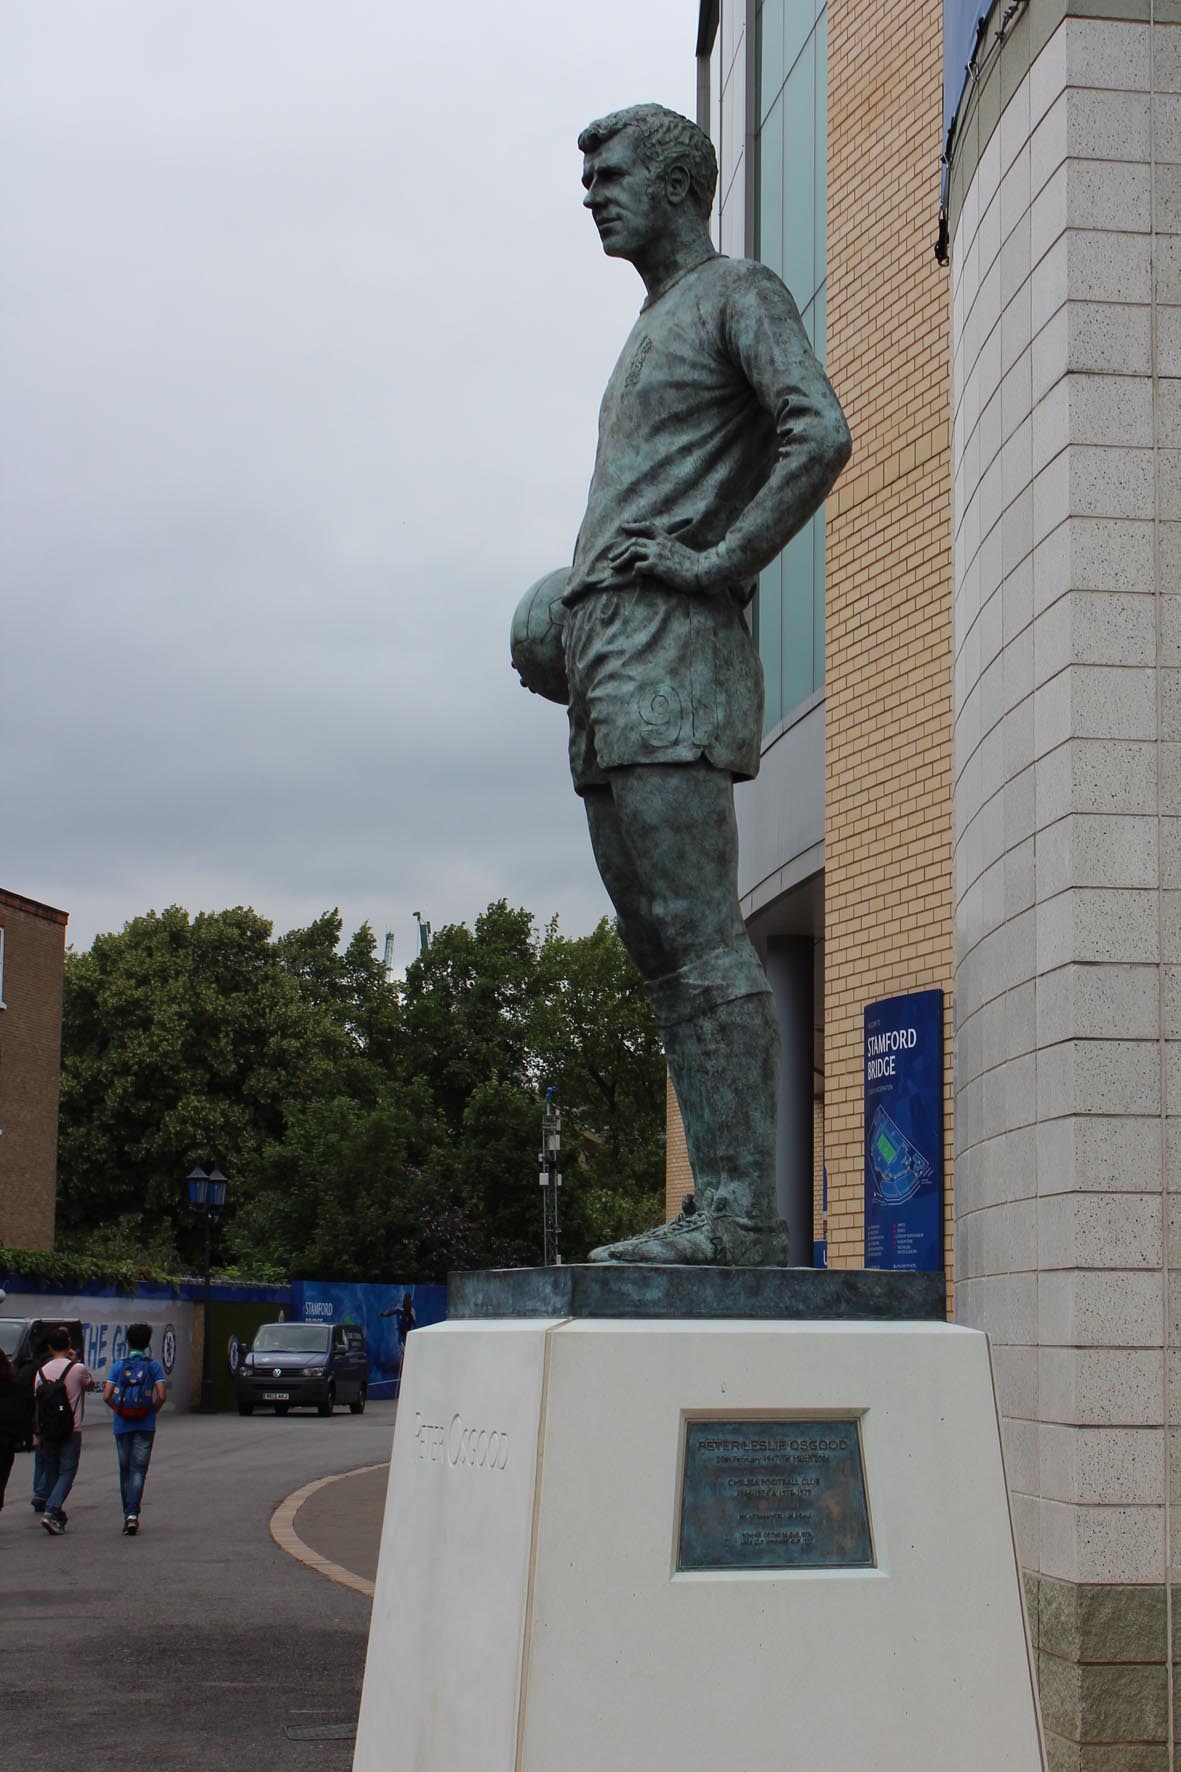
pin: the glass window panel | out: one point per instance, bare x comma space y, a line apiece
770, 206
820, 152
797, 618
733, 124
770, 50
799, 142
798, 17
732, 23
732, 228
818, 601
788, 618
819, 333
770, 597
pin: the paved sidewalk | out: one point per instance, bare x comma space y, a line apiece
341, 1522
200, 1643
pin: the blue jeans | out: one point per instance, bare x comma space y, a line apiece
134, 1451
59, 1466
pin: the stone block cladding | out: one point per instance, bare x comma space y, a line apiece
30, 1066
888, 766
1066, 321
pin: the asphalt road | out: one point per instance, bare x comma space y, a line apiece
343, 1521
199, 1643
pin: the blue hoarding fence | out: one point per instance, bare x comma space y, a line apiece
386, 1312
903, 1085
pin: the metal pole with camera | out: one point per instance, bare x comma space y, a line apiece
550, 1180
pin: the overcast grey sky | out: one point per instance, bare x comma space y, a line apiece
303, 337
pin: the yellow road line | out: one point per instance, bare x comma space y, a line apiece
287, 1538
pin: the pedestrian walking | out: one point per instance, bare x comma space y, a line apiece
134, 1392
16, 1418
59, 1406
28, 1379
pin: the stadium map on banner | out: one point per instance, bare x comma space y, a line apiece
904, 1132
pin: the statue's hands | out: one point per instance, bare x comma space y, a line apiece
654, 555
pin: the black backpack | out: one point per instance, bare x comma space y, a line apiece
52, 1407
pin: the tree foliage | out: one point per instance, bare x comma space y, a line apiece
371, 1129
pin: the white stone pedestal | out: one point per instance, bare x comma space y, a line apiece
530, 1616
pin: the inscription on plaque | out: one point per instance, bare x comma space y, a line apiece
774, 1495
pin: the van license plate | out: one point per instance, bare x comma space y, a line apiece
276, 1396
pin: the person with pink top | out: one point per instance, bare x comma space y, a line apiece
60, 1453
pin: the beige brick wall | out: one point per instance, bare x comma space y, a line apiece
678, 1174
30, 1069
888, 769
818, 1214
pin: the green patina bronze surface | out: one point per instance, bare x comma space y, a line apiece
719, 436
785, 1494
770, 1294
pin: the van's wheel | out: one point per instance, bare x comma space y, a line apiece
357, 1407
329, 1403
282, 1408
245, 1408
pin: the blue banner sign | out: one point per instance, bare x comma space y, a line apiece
387, 1313
903, 1055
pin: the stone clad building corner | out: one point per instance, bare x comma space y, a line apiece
1065, 236
976, 786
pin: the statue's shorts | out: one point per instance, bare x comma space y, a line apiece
661, 676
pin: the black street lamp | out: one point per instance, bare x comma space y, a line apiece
208, 1194
549, 1177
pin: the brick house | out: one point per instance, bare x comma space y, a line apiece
32, 959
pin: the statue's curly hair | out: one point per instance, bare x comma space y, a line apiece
666, 139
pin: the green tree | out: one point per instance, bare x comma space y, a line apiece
351, 1192
468, 1005
369, 1131
597, 1043
494, 1015
497, 1168
383, 1192
184, 1040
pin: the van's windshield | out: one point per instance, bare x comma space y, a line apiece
292, 1338
11, 1330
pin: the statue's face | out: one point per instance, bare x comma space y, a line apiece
629, 206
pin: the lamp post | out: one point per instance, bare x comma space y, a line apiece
549, 1177
208, 1194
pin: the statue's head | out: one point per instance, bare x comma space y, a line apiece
646, 170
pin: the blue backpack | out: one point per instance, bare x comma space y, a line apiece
136, 1389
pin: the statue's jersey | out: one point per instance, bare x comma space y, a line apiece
715, 382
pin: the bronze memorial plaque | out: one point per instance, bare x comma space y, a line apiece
774, 1495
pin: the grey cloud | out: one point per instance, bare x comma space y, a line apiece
304, 337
